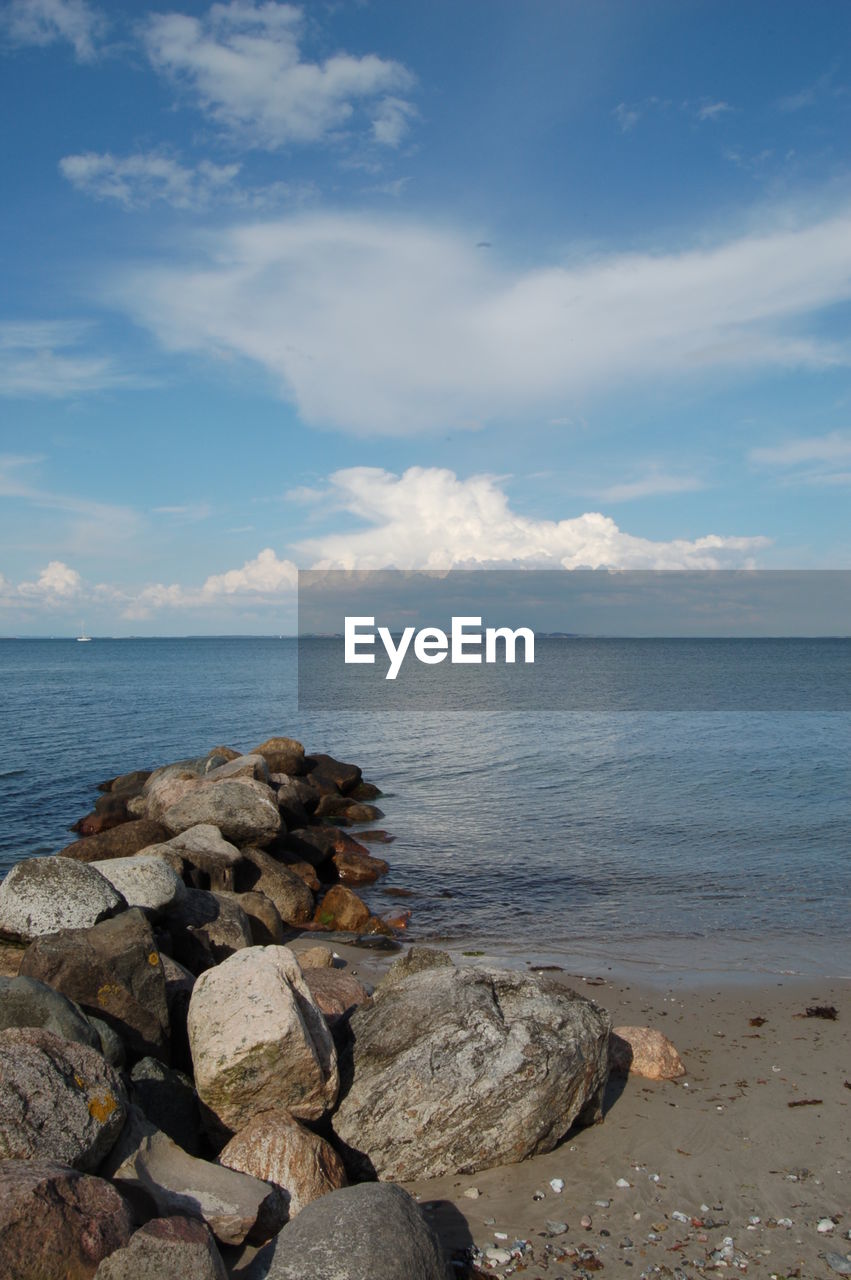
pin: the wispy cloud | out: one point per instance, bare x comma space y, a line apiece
819, 460
43, 22
392, 326
627, 117
89, 525
823, 87
713, 110
653, 484
44, 358
243, 63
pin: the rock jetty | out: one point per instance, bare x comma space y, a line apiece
182, 1095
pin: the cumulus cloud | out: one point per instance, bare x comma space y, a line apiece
427, 518
44, 358
392, 326
43, 22
137, 181
263, 580
56, 584
245, 66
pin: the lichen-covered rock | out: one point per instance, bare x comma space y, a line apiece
113, 971
144, 880
454, 1070
641, 1051
25, 1002
57, 1223
370, 1232
120, 842
174, 1248
259, 1041
59, 1100
342, 909
289, 893
41, 895
244, 811
275, 1147
415, 960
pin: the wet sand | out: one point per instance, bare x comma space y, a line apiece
724, 1176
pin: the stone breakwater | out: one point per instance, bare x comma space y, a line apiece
181, 1095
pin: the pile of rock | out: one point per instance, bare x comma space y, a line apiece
182, 1096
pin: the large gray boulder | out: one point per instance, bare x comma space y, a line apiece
114, 972
369, 1232
57, 1223
454, 1070
245, 811
145, 880
58, 1100
41, 895
235, 1206
259, 1041
173, 1248
26, 1002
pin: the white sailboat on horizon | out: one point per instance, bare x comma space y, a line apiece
82, 638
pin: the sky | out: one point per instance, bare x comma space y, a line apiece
370, 283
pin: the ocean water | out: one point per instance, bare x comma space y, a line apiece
674, 841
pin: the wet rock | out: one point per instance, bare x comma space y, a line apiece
264, 919
172, 1248
282, 755
324, 768
121, 842
342, 909
303, 870
144, 880
127, 784
359, 868
336, 992
206, 928
259, 1041
55, 1222
344, 807
455, 1070
211, 860
59, 1100
41, 895
366, 791
641, 1051
245, 812
113, 971
276, 1148
25, 1002
415, 960
109, 811
369, 1232
168, 1099
235, 1206
261, 873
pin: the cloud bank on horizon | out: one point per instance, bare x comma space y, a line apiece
376, 286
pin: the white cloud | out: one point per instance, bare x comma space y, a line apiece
88, 525
390, 326
713, 110
627, 117
43, 358
654, 484
263, 580
820, 460
43, 22
429, 519
56, 584
245, 65
137, 181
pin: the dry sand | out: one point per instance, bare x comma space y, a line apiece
720, 1148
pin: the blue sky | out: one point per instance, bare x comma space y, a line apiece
371, 284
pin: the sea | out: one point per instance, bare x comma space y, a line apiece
679, 843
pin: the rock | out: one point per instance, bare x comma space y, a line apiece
235, 1206
261, 873
212, 859
316, 958
58, 1100
218, 756
366, 791
323, 768
415, 960
166, 1249
370, 1232
55, 1222
250, 766
111, 1044
455, 1070
162, 792
376, 836
282, 755
335, 991
342, 909
296, 800
259, 1041
303, 870
264, 919
127, 784
25, 1002
41, 895
113, 971
121, 842
11, 955
178, 992
245, 811
344, 807
109, 811
144, 880
192, 767
206, 928
167, 1098
319, 844
641, 1051
359, 868
276, 1148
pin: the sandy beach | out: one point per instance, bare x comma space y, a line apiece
724, 1175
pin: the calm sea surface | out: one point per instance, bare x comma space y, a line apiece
673, 841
